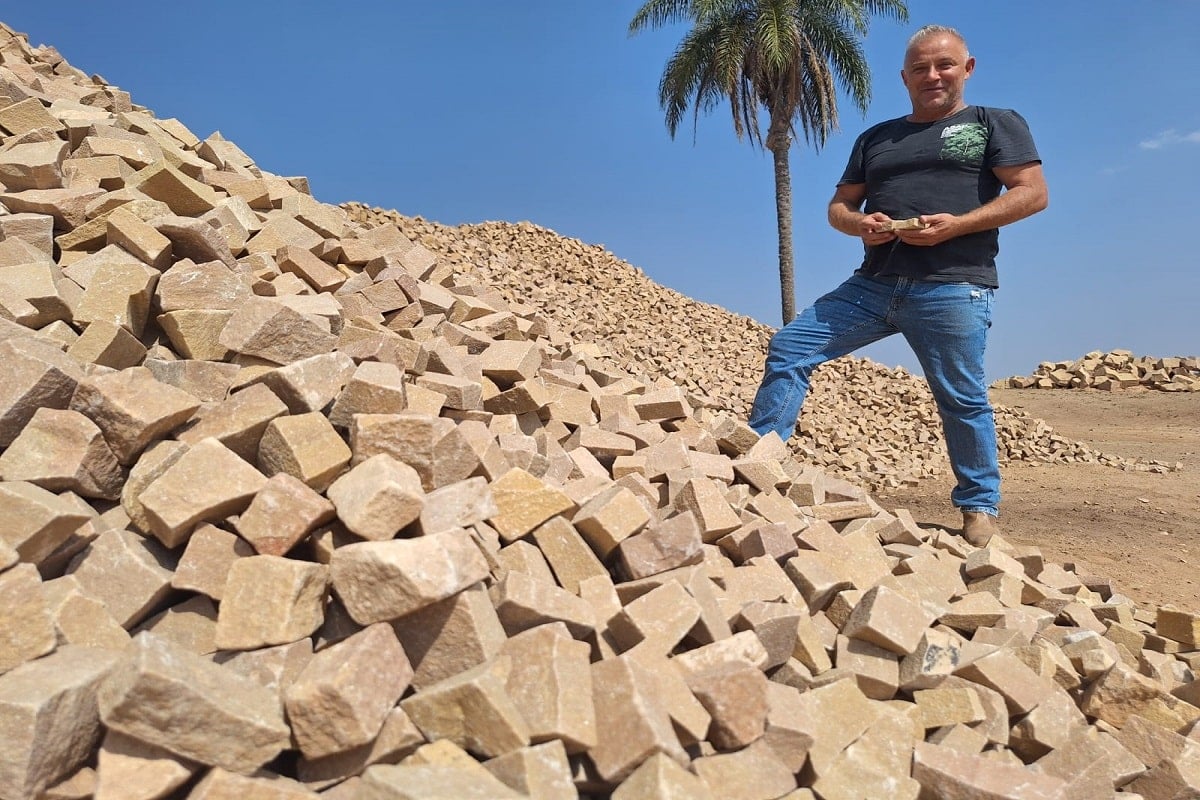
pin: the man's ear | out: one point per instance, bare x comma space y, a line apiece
970, 65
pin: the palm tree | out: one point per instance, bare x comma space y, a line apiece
787, 56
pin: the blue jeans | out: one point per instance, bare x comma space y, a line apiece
946, 326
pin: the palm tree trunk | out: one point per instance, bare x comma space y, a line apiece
780, 145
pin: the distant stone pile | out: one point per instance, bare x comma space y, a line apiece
1116, 369
292, 508
872, 424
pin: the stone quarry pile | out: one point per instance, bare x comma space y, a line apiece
875, 425
1116, 369
292, 509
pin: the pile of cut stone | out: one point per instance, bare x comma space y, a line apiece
1116, 369
875, 425
291, 511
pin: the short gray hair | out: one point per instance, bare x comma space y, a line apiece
930, 30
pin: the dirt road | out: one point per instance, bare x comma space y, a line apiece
1138, 528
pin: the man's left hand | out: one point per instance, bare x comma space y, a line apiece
938, 228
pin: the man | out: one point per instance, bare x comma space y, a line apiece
942, 167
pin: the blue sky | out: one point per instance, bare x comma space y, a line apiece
546, 110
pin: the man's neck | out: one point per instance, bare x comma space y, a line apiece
934, 117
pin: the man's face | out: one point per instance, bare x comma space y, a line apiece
935, 69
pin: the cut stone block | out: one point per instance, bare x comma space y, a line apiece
28, 115
662, 778
380, 581
634, 723
81, 620
165, 696
473, 710
312, 270
62, 450
183, 195
138, 238
1121, 693
107, 345
712, 511
268, 329
220, 784
269, 600
432, 782
342, 697
877, 764
457, 505
522, 602
28, 630
657, 621
282, 513
540, 772
195, 333
132, 409
397, 739
377, 497
284, 231
206, 484
118, 293
947, 773
309, 384
1178, 626
431, 445
129, 573
525, 502
237, 422
752, 773
567, 553
735, 695
49, 723
374, 388
609, 518
450, 636
36, 522
36, 165
1022, 688
207, 285
205, 564
194, 239
304, 446
663, 546
34, 295
550, 681
190, 625
38, 375
888, 619
129, 768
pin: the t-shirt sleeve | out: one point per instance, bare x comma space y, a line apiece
1010, 143
856, 170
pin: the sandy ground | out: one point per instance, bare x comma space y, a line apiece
1140, 529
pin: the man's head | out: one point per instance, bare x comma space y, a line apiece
936, 65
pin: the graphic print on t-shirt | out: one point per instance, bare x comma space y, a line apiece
964, 143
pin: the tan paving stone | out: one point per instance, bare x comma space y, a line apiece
206, 484
450, 636
49, 725
304, 446
342, 697
378, 497
269, 600
473, 710
380, 581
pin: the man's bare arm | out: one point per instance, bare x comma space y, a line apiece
845, 215
1025, 194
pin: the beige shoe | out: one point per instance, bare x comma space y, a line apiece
979, 527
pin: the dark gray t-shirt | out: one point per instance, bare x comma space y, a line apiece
943, 167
